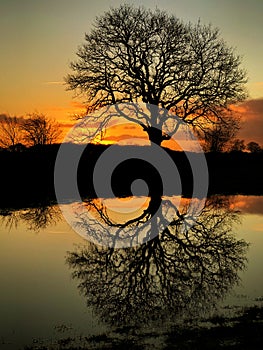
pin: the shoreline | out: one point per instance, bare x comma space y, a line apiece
27, 178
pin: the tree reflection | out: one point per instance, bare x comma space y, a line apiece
35, 219
183, 271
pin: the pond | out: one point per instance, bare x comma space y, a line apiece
58, 287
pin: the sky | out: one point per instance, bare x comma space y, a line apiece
39, 39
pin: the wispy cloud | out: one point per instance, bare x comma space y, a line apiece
54, 83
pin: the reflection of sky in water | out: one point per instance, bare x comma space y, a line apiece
251, 288
37, 292
249, 204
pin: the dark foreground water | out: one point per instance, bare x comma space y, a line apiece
58, 290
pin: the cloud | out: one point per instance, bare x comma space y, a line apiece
77, 104
130, 127
252, 120
3, 116
121, 137
54, 83
249, 204
67, 125
255, 106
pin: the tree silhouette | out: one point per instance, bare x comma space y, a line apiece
218, 137
238, 145
254, 147
138, 55
10, 132
37, 218
40, 130
179, 273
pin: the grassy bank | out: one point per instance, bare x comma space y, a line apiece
241, 331
28, 177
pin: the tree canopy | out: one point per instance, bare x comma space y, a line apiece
219, 137
37, 129
177, 273
139, 55
254, 147
10, 132
40, 130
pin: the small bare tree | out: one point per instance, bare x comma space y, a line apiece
218, 136
40, 130
10, 131
138, 55
254, 147
238, 145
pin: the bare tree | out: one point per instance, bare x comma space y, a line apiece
36, 219
10, 131
40, 130
138, 55
218, 136
238, 145
254, 147
176, 274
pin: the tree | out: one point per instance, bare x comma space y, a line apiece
10, 131
40, 130
35, 219
218, 137
238, 145
254, 147
176, 274
138, 55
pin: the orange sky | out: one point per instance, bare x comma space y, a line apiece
251, 112
40, 39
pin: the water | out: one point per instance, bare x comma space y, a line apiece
160, 283
37, 291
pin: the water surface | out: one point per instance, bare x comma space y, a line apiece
113, 288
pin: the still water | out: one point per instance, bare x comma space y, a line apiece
55, 284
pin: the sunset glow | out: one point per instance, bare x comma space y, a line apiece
49, 35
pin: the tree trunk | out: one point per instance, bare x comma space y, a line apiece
155, 208
155, 135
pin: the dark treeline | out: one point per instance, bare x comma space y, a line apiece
27, 177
